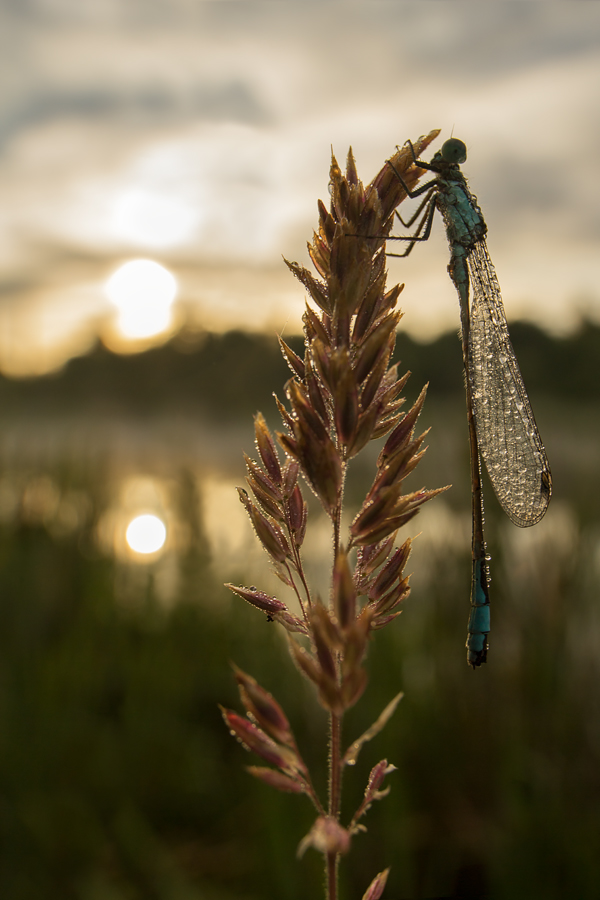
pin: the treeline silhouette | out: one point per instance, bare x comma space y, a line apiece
223, 376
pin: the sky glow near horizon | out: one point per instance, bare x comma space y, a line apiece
198, 137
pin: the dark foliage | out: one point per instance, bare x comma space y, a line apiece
208, 373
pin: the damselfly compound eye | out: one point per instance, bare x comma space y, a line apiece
454, 151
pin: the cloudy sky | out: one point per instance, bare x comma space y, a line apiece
198, 135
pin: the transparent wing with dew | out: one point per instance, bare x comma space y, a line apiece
509, 440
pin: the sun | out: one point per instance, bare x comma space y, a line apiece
143, 292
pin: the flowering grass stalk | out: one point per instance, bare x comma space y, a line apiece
344, 393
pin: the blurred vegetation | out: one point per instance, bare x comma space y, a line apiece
118, 780
223, 376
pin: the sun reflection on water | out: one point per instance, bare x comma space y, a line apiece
139, 526
146, 534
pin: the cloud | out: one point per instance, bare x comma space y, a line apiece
202, 132
226, 101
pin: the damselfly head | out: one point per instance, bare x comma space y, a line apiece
454, 151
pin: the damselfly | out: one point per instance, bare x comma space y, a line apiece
502, 427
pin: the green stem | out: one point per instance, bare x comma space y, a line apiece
300, 571
335, 793
335, 768
337, 518
335, 730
